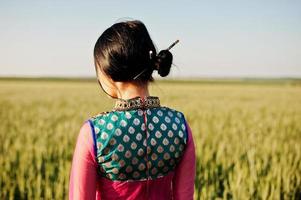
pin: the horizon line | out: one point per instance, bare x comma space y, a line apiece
161, 78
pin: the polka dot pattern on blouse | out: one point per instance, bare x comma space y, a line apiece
139, 144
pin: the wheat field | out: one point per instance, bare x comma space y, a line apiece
247, 135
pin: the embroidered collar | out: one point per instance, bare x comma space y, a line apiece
137, 102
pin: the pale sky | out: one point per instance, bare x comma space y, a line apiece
258, 38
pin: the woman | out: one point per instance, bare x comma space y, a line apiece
140, 149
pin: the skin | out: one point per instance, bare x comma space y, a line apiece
123, 90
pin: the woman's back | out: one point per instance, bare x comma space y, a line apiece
137, 150
139, 144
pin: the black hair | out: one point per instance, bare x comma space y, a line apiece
123, 53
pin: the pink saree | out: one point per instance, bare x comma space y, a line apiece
85, 182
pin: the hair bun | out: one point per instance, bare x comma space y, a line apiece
163, 62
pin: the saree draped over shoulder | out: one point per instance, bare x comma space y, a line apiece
138, 149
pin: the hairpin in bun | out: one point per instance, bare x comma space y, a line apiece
162, 61
172, 45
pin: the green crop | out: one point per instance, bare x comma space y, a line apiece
247, 136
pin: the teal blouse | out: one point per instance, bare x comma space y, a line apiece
138, 140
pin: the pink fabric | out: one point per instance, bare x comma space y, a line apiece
86, 184
157, 189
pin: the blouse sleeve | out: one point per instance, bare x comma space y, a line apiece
183, 181
83, 175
